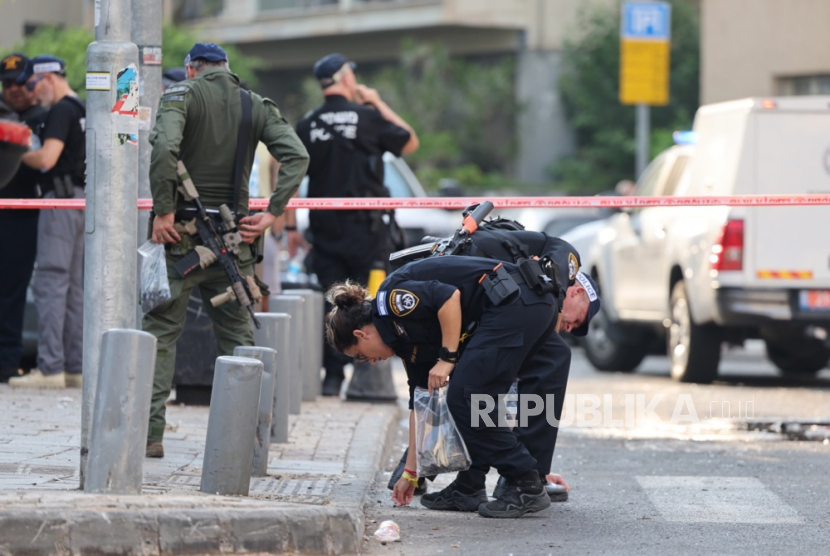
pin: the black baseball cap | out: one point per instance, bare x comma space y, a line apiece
327, 66
593, 296
12, 66
210, 51
45, 63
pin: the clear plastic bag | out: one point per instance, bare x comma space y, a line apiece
438, 443
155, 289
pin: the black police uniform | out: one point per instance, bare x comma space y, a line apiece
545, 373
536, 377
346, 142
498, 342
17, 251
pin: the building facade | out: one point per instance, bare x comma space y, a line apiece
293, 34
764, 48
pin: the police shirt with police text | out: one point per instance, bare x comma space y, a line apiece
359, 127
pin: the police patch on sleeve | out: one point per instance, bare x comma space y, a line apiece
573, 266
402, 302
381, 301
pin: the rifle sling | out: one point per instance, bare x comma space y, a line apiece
242, 143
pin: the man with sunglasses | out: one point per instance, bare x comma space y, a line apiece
58, 282
18, 256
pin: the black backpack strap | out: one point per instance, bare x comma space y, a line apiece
242, 143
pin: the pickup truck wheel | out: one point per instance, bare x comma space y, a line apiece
801, 359
607, 354
694, 350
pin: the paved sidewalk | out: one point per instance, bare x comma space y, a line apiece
310, 502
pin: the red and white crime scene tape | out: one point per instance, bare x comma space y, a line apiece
464, 202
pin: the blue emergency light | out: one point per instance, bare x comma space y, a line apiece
688, 137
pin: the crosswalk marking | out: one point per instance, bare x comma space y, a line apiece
716, 500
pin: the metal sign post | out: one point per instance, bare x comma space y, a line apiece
645, 44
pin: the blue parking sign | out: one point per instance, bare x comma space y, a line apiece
646, 20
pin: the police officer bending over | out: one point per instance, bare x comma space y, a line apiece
199, 124
419, 315
545, 372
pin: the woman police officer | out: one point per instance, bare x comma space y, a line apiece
419, 314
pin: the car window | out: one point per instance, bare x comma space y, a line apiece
648, 182
676, 173
395, 182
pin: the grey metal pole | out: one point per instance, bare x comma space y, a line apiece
642, 133
274, 333
146, 24
122, 411
262, 440
312, 342
229, 445
293, 305
111, 193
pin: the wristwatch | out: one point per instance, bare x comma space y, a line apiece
445, 354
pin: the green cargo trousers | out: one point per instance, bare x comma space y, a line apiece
231, 324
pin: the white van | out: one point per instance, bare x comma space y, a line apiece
701, 276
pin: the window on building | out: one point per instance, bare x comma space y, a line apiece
267, 5
804, 85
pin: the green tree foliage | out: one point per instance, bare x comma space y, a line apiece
603, 127
67, 44
464, 112
71, 44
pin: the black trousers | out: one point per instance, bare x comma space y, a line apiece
350, 256
545, 374
18, 248
506, 339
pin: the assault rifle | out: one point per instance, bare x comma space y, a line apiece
438, 247
220, 242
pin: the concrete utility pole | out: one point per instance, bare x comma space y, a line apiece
146, 33
111, 192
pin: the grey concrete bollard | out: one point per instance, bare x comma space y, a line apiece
121, 412
274, 334
229, 445
293, 305
262, 438
314, 302
372, 383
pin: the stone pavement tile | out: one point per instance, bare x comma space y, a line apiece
309, 502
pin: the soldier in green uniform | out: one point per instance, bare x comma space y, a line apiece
198, 123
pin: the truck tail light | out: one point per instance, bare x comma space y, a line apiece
728, 252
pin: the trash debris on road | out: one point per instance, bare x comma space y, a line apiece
388, 532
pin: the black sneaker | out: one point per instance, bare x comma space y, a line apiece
557, 493
454, 500
518, 498
331, 385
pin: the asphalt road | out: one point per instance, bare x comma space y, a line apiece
703, 483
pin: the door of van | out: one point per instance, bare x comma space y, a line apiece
789, 245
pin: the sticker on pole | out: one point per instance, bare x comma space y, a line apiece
150, 55
98, 81
126, 103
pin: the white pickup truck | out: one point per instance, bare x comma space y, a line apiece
696, 277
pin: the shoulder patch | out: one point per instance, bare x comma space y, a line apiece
175, 89
381, 303
172, 98
402, 302
573, 266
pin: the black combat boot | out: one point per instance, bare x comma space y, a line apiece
557, 493
331, 385
457, 497
522, 495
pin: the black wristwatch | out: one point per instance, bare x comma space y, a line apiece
445, 354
